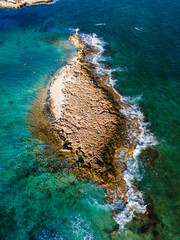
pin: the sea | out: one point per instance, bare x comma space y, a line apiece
139, 49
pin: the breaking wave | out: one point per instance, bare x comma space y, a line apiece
135, 203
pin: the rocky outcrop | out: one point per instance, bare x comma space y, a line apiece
21, 3
80, 116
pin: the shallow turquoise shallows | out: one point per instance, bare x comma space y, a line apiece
142, 46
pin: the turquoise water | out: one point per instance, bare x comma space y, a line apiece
142, 42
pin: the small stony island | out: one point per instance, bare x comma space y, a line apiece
21, 3
81, 116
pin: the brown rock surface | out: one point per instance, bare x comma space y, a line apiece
79, 115
21, 3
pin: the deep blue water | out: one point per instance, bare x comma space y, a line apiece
142, 41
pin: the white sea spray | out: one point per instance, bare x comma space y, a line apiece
135, 203
100, 24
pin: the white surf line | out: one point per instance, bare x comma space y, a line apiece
135, 203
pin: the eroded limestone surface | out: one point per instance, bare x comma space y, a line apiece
79, 115
21, 3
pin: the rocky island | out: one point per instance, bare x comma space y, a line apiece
80, 115
21, 3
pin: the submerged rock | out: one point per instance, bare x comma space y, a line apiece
148, 156
143, 223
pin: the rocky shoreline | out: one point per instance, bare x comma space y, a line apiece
18, 4
80, 116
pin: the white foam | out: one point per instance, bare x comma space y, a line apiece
77, 30
135, 203
81, 227
96, 43
77, 226
48, 3
138, 29
107, 206
100, 24
47, 235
